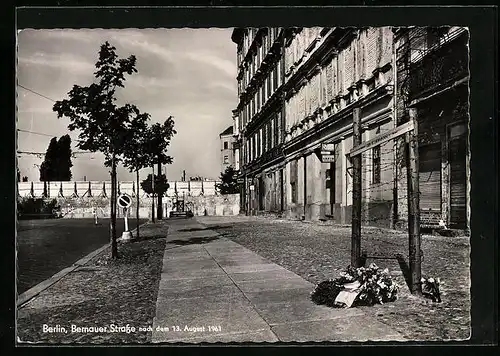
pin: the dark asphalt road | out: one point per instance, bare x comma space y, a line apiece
44, 247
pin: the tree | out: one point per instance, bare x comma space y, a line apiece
48, 166
157, 142
229, 183
63, 159
133, 157
161, 184
57, 163
103, 126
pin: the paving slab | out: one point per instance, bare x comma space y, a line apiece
259, 285
192, 284
279, 296
273, 275
206, 293
192, 234
260, 336
187, 264
261, 267
193, 274
190, 318
297, 311
353, 328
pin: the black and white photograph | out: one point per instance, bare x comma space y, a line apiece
246, 184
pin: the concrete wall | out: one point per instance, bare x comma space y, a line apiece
200, 205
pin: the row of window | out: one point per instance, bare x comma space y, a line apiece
300, 42
267, 88
266, 138
262, 49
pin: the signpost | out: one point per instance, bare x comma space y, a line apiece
327, 158
124, 201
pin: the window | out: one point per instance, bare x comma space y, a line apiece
226, 159
272, 133
376, 164
268, 82
225, 145
275, 78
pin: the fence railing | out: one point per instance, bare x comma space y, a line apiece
82, 189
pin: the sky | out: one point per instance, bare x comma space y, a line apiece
189, 74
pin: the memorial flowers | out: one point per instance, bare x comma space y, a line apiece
430, 289
357, 286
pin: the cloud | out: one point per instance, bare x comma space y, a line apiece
63, 60
223, 65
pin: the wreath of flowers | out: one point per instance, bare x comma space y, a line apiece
375, 287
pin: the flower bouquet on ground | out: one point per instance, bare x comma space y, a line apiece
430, 289
357, 286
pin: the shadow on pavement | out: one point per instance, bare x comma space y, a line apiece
193, 241
405, 269
144, 238
209, 227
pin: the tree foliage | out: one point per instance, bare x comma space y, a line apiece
57, 163
229, 183
161, 184
157, 142
92, 110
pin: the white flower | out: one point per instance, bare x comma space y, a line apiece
422, 280
431, 280
439, 281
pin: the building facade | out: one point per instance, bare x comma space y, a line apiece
260, 119
226, 148
433, 81
298, 88
329, 72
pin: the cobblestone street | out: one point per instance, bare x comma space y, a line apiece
317, 252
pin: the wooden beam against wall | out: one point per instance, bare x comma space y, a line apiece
356, 193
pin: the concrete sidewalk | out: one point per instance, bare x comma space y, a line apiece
215, 290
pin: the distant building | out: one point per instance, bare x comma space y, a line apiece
227, 152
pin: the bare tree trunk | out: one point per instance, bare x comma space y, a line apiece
138, 202
114, 247
153, 199
159, 214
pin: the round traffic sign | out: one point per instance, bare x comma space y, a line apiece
124, 200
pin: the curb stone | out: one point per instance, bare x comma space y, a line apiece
40, 287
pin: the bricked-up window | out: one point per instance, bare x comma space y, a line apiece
376, 164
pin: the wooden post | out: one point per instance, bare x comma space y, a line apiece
356, 193
414, 207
